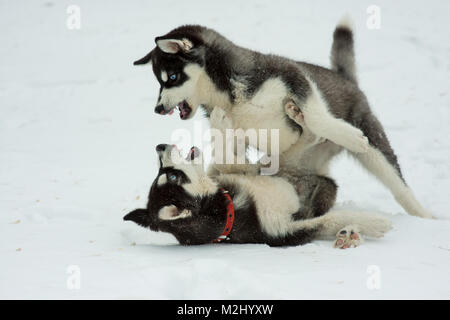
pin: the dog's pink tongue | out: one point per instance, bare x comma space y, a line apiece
171, 111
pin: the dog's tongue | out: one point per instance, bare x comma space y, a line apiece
171, 111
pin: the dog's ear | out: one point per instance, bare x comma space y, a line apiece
144, 60
139, 216
172, 213
174, 45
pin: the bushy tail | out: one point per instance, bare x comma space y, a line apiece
342, 52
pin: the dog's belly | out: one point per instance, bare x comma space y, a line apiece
275, 200
265, 111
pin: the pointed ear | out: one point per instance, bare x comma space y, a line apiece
172, 213
138, 216
144, 60
174, 45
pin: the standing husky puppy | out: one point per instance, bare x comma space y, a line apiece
198, 209
197, 66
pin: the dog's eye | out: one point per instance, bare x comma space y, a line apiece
172, 177
173, 77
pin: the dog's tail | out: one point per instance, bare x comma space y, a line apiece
342, 51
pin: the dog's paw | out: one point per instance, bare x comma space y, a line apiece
353, 140
348, 237
361, 143
294, 113
219, 119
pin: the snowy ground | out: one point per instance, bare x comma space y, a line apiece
77, 137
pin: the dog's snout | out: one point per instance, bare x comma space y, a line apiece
161, 147
160, 109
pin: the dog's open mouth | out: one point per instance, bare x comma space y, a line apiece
185, 109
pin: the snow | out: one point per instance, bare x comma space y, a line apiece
77, 138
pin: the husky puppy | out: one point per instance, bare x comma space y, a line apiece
197, 208
196, 66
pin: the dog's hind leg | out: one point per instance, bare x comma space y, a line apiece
328, 225
380, 158
299, 232
317, 194
382, 162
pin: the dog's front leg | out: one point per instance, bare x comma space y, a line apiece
225, 159
322, 123
307, 139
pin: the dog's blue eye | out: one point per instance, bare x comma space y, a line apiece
172, 177
173, 77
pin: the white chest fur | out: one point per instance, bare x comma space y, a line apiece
275, 200
265, 111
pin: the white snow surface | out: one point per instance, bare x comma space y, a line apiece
78, 131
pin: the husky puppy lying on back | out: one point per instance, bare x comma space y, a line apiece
198, 209
197, 66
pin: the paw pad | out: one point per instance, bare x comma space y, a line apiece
348, 237
294, 112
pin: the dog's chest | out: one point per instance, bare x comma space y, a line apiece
275, 200
265, 111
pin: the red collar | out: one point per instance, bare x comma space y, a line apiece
230, 218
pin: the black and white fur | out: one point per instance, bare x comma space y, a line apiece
191, 205
197, 66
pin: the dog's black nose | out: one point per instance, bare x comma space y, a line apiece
161, 147
160, 109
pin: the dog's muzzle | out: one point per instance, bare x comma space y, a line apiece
184, 108
160, 109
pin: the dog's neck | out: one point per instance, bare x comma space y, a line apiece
220, 206
207, 91
216, 207
209, 96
